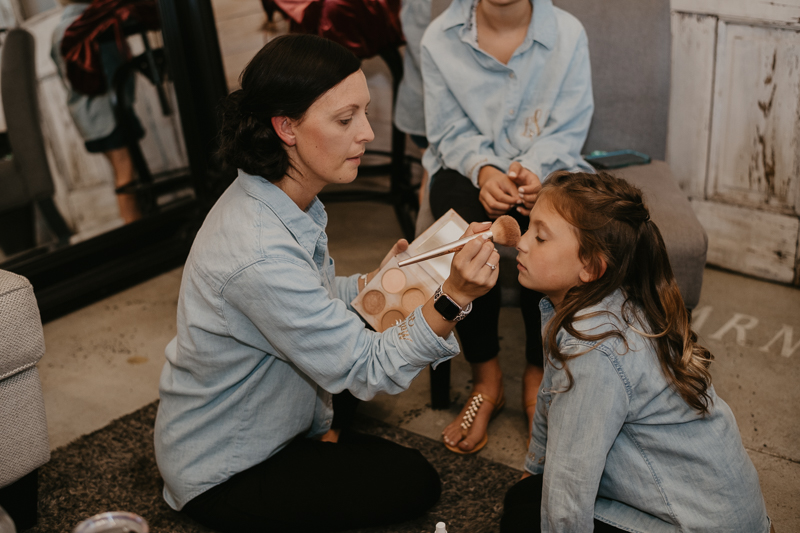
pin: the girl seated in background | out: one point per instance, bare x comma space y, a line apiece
628, 433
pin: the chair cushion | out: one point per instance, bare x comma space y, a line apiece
685, 238
21, 335
23, 426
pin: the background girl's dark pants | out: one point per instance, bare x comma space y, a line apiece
360, 481
479, 330
522, 509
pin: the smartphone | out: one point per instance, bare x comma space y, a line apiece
617, 159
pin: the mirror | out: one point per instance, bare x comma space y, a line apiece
105, 172
129, 162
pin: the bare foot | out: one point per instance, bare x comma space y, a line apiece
531, 381
332, 435
488, 380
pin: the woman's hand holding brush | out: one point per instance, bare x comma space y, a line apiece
505, 231
473, 272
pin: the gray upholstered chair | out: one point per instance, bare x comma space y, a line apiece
25, 178
24, 445
629, 45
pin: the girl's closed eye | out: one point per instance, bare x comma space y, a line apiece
345, 121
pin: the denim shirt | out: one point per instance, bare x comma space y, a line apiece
409, 112
265, 334
535, 110
624, 448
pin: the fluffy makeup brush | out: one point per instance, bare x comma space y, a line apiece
504, 231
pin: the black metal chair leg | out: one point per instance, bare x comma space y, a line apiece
440, 386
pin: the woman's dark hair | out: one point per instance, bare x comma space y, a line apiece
613, 223
283, 79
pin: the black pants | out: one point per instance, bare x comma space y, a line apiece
361, 481
522, 509
479, 330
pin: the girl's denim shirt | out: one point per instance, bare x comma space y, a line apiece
535, 110
621, 446
265, 335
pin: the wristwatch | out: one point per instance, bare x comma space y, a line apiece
448, 308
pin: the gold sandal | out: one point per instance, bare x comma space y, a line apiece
476, 401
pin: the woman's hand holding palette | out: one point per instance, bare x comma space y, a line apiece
395, 292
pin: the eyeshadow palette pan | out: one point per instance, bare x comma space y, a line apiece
395, 292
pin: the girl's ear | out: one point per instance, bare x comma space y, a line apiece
593, 270
285, 130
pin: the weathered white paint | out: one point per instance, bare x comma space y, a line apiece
784, 13
691, 92
8, 18
787, 348
739, 323
755, 139
741, 169
746, 240
700, 315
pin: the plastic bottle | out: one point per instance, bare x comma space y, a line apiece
440, 528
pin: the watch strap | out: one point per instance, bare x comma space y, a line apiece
448, 308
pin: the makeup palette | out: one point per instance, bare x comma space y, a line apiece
395, 292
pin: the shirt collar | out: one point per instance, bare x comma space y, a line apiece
543, 27
306, 226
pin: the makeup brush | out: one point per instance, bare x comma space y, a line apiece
504, 231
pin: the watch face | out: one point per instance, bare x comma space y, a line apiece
446, 307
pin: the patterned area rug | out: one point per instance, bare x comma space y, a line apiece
114, 469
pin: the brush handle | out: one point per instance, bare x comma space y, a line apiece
443, 250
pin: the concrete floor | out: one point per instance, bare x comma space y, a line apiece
104, 360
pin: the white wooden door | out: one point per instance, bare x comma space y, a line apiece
734, 129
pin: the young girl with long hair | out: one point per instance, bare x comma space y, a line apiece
629, 434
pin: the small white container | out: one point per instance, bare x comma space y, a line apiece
113, 522
440, 528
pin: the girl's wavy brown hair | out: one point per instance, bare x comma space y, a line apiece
614, 224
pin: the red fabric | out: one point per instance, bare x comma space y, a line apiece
80, 48
364, 27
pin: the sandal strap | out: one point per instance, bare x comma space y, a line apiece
475, 402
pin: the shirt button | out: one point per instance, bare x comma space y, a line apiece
511, 75
511, 113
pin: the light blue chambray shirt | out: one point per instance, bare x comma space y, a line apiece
409, 114
265, 335
535, 110
624, 448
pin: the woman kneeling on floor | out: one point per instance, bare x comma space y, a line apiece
628, 433
265, 331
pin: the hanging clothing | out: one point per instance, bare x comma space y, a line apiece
365, 27
80, 46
